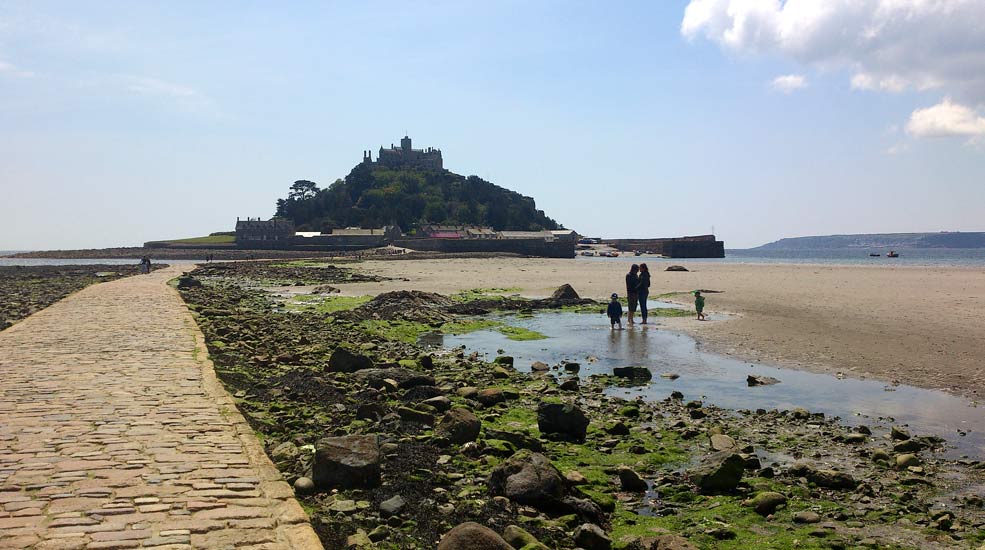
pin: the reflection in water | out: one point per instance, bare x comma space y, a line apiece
721, 380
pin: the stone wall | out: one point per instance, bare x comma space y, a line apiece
527, 247
701, 246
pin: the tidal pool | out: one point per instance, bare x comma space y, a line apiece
721, 380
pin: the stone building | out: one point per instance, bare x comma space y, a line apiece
406, 156
253, 230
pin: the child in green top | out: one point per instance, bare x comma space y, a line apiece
699, 305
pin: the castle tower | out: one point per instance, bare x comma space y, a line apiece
405, 143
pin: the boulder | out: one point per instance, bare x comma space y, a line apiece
722, 442
666, 542
719, 472
907, 460
676, 268
566, 420
571, 384
472, 536
633, 373
806, 516
767, 502
350, 461
517, 537
527, 478
392, 506
490, 396
343, 360
565, 292
458, 426
405, 378
185, 283
504, 360
408, 414
539, 366
832, 479
439, 403
631, 481
591, 537
761, 381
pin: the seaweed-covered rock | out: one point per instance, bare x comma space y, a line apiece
472, 536
351, 461
343, 360
633, 373
527, 478
562, 419
565, 292
458, 426
405, 378
719, 472
591, 537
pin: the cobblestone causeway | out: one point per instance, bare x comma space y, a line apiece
115, 433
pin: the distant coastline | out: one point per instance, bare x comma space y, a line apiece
958, 240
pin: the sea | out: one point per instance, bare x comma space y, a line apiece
932, 257
942, 257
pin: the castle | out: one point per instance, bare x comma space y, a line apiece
406, 157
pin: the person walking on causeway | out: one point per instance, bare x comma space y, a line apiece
632, 282
643, 290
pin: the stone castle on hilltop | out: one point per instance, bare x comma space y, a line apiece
406, 156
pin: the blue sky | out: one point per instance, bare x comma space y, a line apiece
122, 122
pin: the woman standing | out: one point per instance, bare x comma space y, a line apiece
632, 285
643, 290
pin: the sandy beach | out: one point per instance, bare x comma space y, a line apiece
922, 326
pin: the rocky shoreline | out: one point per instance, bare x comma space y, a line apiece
200, 253
392, 445
27, 289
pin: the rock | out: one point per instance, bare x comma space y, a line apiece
343, 506
439, 403
527, 478
392, 506
633, 373
425, 361
490, 396
767, 502
899, 433
670, 375
719, 472
575, 477
800, 413
617, 428
185, 283
458, 426
408, 414
722, 442
675, 268
571, 384
572, 367
591, 537
358, 540
538, 366
666, 542
806, 516
304, 485
285, 454
370, 411
351, 461
880, 455
472, 536
562, 419
504, 360
908, 446
631, 481
907, 460
343, 360
517, 537
565, 292
832, 479
405, 378
518, 440
856, 438
761, 381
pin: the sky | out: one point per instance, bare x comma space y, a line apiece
123, 122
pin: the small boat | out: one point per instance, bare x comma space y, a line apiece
587, 253
874, 255
892, 254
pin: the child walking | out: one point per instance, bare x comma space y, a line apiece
699, 305
614, 312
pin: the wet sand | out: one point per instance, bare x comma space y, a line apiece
923, 326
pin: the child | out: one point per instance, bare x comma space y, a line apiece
615, 312
699, 305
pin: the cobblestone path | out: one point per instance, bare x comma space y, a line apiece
115, 433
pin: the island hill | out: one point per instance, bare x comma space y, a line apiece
406, 198
943, 239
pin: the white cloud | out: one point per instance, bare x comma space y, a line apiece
885, 45
789, 83
946, 119
13, 71
153, 86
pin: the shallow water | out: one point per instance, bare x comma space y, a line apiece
721, 380
73, 261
